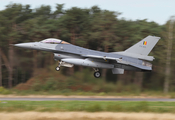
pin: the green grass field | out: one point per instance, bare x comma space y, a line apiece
88, 106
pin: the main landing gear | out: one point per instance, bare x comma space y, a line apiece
58, 67
97, 74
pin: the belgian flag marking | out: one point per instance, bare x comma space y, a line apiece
144, 42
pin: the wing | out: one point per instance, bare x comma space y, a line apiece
100, 57
119, 61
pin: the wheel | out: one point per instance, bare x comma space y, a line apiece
57, 68
97, 74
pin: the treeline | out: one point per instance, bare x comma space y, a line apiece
91, 28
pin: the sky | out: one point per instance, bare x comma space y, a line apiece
158, 11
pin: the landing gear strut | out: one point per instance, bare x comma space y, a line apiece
97, 74
58, 67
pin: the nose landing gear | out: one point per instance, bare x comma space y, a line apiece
97, 74
58, 67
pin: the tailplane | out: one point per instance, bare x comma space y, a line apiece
143, 47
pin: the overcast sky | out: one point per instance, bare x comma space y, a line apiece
153, 10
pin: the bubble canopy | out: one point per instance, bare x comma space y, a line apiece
54, 41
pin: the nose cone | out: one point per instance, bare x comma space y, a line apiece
31, 45
24, 45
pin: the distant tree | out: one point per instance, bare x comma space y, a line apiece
170, 37
0, 71
11, 15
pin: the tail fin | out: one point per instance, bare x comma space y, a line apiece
143, 47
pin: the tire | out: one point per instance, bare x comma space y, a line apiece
57, 68
97, 74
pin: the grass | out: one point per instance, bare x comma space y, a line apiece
88, 106
68, 92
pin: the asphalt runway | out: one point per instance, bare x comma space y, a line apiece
87, 99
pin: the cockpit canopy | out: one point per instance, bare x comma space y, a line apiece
54, 41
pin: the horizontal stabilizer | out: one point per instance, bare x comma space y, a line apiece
142, 57
148, 68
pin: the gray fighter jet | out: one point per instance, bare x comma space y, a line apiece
134, 58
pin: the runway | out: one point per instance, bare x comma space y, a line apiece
87, 99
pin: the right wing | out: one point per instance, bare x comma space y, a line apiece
119, 60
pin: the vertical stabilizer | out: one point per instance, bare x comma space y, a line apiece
143, 47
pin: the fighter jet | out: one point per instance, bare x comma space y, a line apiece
134, 58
